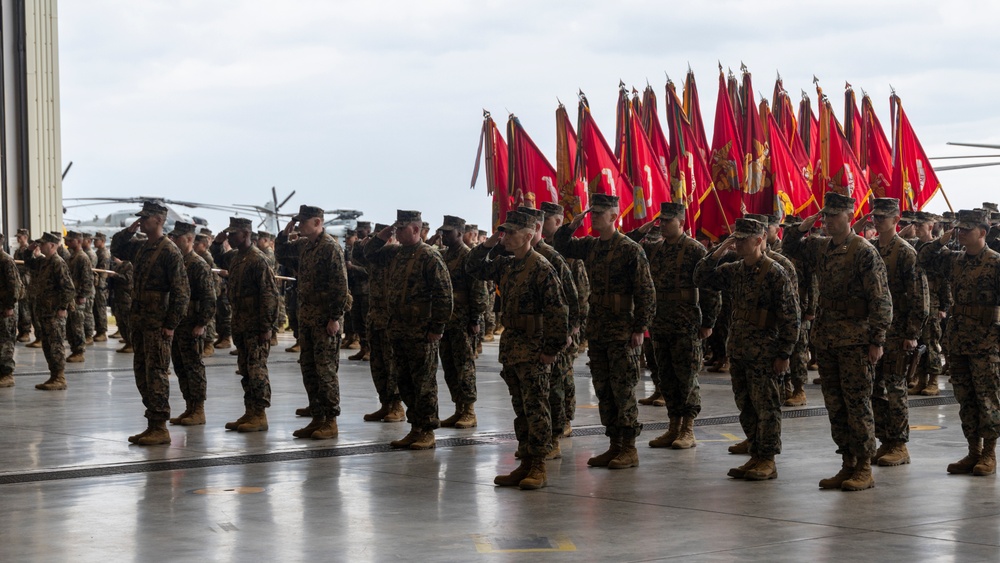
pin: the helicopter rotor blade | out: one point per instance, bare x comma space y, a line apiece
283, 202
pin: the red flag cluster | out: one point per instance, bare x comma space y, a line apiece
759, 160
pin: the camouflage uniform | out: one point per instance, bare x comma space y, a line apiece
469, 298
939, 301
52, 291
583, 295
381, 364
322, 280
87, 309
253, 294
359, 282
622, 302
24, 317
160, 295
120, 296
211, 334
187, 348
419, 298
808, 294
855, 310
765, 327
101, 291
11, 291
82, 274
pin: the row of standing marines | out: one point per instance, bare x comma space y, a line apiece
873, 311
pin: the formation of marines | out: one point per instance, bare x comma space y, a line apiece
883, 316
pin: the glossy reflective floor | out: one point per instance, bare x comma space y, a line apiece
72, 487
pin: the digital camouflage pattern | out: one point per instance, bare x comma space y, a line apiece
24, 320
101, 291
377, 326
457, 353
808, 289
186, 349
11, 291
120, 296
53, 291
210, 332
528, 383
82, 273
561, 383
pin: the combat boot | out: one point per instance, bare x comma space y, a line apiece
327, 430
741, 471
740, 448
498, 330
7, 381
307, 430
627, 457
555, 452
224, 342
103, 337
881, 451
846, 470
235, 352
685, 439
196, 417
88, 341
897, 455
236, 423
360, 354
861, 479
488, 337
304, 411
535, 479
295, 348
37, 343
604, 459
721, 367
931, 389
274, 339
763, 470
405, 441
568, 429
368, 354
451, 420
666, 439
969, 462
117, 334
513, 478
56, 382
75, 358
987, 464
256, 423
379, 414
208, 351
919, 384
24, 337
135, 437
423, 441
186, 413
797, 397
126, 349
396, 413
650, 399
158, 435
468, 418
479, 348
351, 342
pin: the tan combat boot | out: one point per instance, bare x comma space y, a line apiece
555, 452
424, 440
24, 337
513, 478
846, 470
224, 342
135, 437
327, 430
304, 411
798, 396
650, 399
75, 358
307, 430
568, 429
451, 420
56, 382
196, 417
881, 451
666, 439
897, 455
931, 389
351, 342
919, 384
117, 334
685, 439
396, 413
103, 337
360, 354
158, 435
741, 471
861, 479
7, 381
274, 339
294, 348
186, 413
763, 470
468, 418
968, 463
488, 337
88, 341
740, 448
405, 441
37, 343
535, 479
208, 351
379, 414
126, 349
987, 464
627, 457
256, 423
604, 459
236, 423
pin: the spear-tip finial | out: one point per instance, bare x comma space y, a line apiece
815, 80
486, 114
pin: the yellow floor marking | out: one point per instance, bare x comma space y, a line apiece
920, 427
484, 544
230, 491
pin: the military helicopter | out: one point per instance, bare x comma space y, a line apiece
971, 165
343, 220
269, 212
117, 220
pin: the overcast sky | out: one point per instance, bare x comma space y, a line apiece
378, 105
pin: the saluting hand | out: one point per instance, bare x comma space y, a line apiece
493, 240
578, 220
946, 237
809, 222
134, 226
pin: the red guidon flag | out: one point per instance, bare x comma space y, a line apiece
572, 188
853, 126
726, 161
758, 192
839, 170
809, 135
651, 124
912, 174
692, 109
596, 161
532, 179
791, 188
650, 187
492, 141
876, 154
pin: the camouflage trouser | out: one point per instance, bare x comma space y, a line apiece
8, 336
210, 334
282, 310
458, 365
678, 359
223, 316
846, 377
614, 369
87, 309
101, 311
560, 380
489, 317
570, 383
35, 320
320, 360
190, 368
292, 300
124, 327
52, 331
932, 363
359, 312
251, 359
528, 383
381, 365
756, 389
975, 380
24, 322
720, 333
799, 365
75, 331
150, 363
415, 362
890, 405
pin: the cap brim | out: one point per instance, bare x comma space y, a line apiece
743, 235
446, 228
968, 225
827, 210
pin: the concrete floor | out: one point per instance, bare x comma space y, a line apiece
73, 488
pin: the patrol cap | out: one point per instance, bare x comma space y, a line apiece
948, 217
364, 225
994, 217
908, 217
405, 217
762, 219
24, 232
481, 233
379, 227
973, 219
49, 237
239, 224
425, 225
73, 235
603, 201
205, 231
791, 221
885, 207
990, 206
471, 228
549, 208
925, 217
452, 223
746, 228
517, 221
203, 238
671, 209
264, 235
308, 212
538, 214
350, 233
181, 228
87, 236
152, 209
773, 220
834, 203
100, 236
